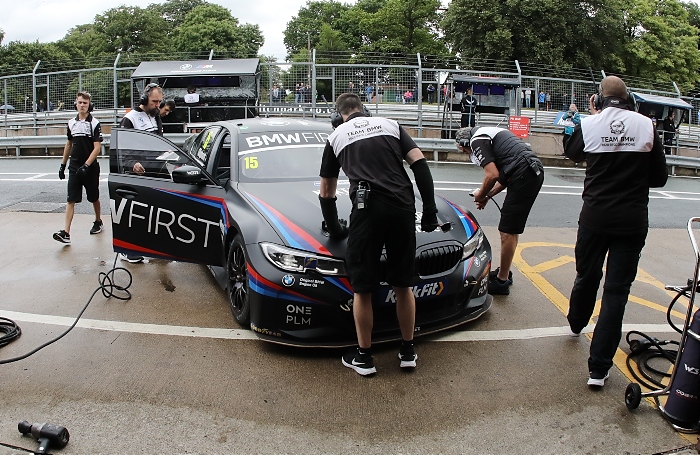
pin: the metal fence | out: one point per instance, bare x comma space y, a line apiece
412, 91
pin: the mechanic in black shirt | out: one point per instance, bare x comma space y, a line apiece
507, 162
83, 146
371, 152
624, 158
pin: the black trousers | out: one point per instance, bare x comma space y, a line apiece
623, 258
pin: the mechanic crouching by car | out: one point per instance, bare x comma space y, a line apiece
624, 158
507, 162
371, 151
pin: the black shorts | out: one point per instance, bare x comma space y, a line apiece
371, 229
91, 182
521, 195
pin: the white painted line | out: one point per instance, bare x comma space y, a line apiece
240, 334
133, 327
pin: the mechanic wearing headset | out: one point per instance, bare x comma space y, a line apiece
371, 151
624, 158
144, 117
507, 162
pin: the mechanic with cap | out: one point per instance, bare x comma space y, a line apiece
371, 152
624, 158
507, 162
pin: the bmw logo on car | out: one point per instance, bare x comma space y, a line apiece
288, 280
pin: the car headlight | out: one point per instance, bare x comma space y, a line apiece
301, 261
473, 244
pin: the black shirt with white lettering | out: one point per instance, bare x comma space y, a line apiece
371, 149
83, 134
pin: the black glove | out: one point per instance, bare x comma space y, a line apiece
429, 221
62, 172
337, 229
83, 171
339, 232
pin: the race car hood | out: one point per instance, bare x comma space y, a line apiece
294, 212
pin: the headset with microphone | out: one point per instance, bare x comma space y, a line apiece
337, 119
143, 101
599, 99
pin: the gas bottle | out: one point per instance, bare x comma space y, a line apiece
683, 405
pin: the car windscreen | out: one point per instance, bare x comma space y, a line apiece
273, 157
280, 163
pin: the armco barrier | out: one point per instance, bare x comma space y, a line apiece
425, 144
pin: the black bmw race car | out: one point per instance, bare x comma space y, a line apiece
242, 197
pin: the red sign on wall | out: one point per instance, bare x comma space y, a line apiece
520, 126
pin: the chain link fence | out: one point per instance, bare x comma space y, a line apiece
417, 90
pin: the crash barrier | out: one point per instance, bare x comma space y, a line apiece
439, 147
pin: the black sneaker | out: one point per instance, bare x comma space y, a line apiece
362, 364
494, 274
498, 287
407, 356
134, 259
61, 236
96, 227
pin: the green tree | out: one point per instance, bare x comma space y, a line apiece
132, 29
304, 29
412, 24
213, 27
661, 43
329, 42
175, 11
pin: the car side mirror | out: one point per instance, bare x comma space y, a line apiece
188, 174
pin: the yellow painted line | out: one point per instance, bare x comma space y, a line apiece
534, 274
553, 264
655, 306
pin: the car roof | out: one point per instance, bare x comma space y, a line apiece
276, 124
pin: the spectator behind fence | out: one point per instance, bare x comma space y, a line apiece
570, 120
670, 130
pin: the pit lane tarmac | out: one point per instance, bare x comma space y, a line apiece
169, 371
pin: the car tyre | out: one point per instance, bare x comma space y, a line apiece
237, 288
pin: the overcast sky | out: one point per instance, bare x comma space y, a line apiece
49, 20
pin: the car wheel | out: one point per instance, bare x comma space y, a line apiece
237, 289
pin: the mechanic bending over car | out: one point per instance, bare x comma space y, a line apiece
507, 162
624, 158
144, 117
371, 151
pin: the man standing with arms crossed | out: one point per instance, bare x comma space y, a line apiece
371, 151
83, 147
624, 158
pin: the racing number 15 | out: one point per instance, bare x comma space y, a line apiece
251, 162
